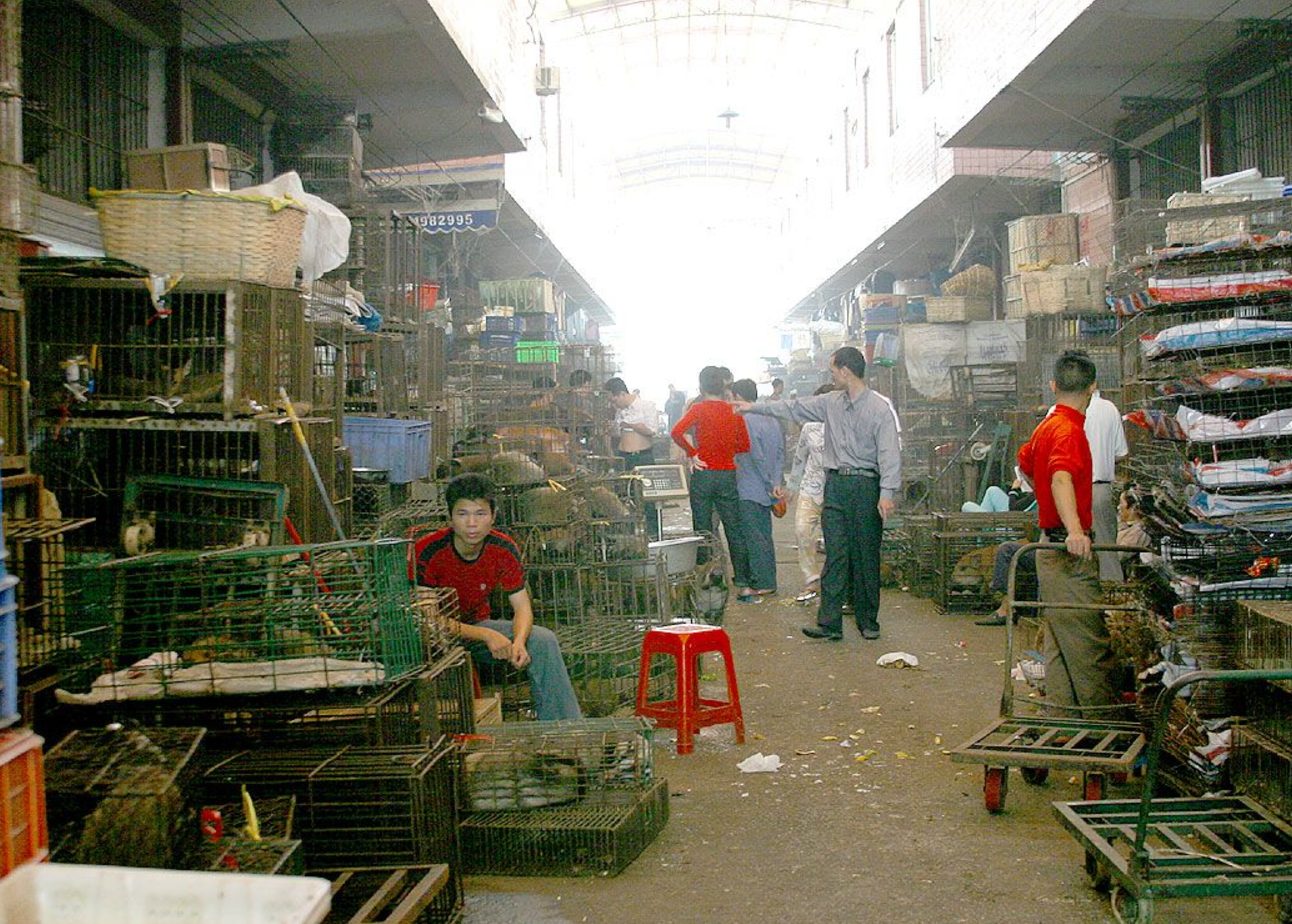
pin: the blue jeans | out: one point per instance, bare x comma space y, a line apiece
549, 681
993, 501
758, 570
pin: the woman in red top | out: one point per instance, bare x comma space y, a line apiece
719, 434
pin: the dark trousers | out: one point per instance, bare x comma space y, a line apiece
853, 532
650, 510
760, 551
715, 491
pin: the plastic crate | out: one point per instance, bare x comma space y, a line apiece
59, 893
499, 323
498, 340
8, 649
22, 801
538, 351
401, 447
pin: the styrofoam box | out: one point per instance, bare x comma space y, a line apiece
59, 893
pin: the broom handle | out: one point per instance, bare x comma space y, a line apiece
314, 469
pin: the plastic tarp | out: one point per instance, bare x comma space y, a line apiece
931, 350
326, 242
1209, 335
1241, 473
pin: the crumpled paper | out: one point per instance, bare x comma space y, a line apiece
898, 659
760, 763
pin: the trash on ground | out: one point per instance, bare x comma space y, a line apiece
898, 659
760, 763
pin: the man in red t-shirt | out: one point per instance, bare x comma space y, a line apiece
1079, 663
474, 558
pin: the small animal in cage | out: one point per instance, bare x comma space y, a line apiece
548, 505
604, 504
973, 570
709, 591
507, 781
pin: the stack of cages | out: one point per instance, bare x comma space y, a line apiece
560, 798
123, 796
361, 807
185, 384
328, 157
964, 553
298, 643
1207, 329
1049, 336
1260, 765
256, 841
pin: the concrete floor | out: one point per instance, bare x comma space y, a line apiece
901, 836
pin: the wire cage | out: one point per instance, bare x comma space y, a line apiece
599, 839
603, 657
121, 796
376, 375
202, 513
267, 857
358, 806
50, 635
13, 382
521, 766
87, 463
964, 547
275, 818
106, 345
329, 389
254, 620
1264, 635
1205, 628
1143, 226
1261, 767
414, 518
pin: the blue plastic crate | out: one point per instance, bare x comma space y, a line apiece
8, 651
401, 447
495, 323
498, 340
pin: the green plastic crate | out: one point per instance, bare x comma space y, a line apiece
538, 351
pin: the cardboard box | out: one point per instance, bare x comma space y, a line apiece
179, 167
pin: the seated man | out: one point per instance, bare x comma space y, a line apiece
1025, 581
474, 558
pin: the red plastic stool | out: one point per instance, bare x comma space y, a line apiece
685, 643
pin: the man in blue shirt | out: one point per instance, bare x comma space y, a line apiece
759, 483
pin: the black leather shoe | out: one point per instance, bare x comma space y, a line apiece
833, 635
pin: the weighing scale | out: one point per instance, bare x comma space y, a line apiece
666, 482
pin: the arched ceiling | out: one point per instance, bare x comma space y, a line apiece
661, 76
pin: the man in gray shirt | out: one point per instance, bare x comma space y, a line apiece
863, 464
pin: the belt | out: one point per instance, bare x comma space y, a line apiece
1101, 482
844, 470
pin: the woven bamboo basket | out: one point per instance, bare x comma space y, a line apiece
977, 281
204, 235
943, 309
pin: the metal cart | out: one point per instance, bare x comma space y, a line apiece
1096, 746
1182, 847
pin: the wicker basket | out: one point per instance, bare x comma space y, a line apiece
977, 281
204, 235
942, 309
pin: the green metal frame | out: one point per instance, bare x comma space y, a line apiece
1183, 847
273, 495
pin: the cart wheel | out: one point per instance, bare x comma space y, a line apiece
1133, 910
1100, 880
1035, 775
995, 784
1093, 787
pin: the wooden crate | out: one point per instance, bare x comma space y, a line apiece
943, 309
1043, 239
1055, 290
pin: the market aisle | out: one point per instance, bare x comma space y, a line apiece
899, 836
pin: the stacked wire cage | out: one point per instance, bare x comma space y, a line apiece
361, 806
123, 796
252, 620
1205, 341
1261, 762
560, 798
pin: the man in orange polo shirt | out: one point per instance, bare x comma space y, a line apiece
1079, 663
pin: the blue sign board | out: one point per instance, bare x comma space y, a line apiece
447, 222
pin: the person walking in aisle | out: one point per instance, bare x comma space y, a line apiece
807, 482
863, 463
758, 482
636, 422
718, 436
1079, 662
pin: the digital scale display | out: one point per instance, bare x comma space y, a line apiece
662, 482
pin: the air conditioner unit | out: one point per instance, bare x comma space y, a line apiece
547, 81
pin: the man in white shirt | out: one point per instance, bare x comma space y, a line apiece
636, 423
1107, 439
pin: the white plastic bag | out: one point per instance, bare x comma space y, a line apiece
326, 243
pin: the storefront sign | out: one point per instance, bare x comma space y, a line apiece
447, 222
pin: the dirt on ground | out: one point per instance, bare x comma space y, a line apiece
868, 818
